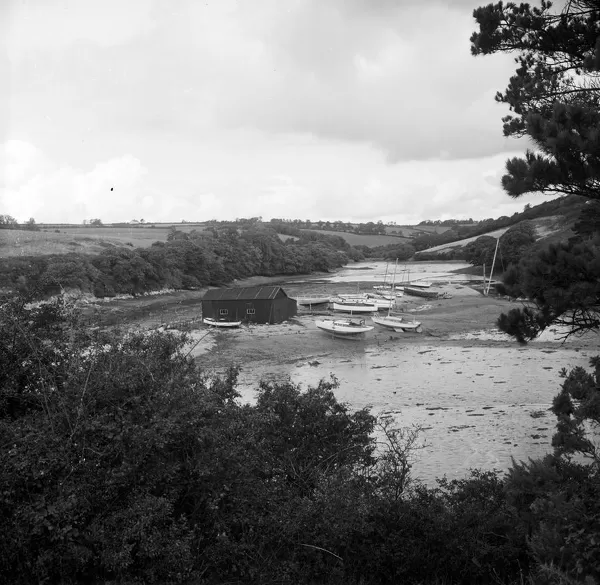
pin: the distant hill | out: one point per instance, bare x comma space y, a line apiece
553, 220
546, 227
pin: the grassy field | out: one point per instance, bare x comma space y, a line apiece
412, 231
550, 229
87, 240
365, 240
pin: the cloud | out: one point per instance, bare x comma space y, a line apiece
406, 84
316, 180
41, 25
221, 109
397, 75
34, 186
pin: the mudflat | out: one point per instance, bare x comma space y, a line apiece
480, 398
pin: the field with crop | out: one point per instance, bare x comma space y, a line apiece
412, 231
365, 240
84, 239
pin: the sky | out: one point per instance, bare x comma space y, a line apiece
351, 110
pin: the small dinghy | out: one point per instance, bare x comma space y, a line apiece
220, 322
347, 328
311, 301
398, 324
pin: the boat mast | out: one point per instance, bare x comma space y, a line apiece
393, 288
487, 290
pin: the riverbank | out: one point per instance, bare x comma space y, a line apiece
480, 398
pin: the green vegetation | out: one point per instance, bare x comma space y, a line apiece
187, 260
514, 244
122, 462
554, 97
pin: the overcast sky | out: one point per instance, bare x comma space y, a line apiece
357, 110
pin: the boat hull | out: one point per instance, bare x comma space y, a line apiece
224, 324
354, 307
398, 324
419, 292
311, 301
346, 328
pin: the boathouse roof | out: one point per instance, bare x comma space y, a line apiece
242, 293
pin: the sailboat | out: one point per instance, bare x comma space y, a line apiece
397, 323
344, 328
381, 288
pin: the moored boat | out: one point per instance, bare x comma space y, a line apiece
398, 323
220, 322
347, 328
311, 301
419, 292
348, 306
382, 304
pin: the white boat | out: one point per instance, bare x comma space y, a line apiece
353, 306
406, 281
310, 301
379, 294
347, 328
382, 304
397, 323
353, 296
220, 322
385, 287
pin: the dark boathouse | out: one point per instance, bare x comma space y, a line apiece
256, 304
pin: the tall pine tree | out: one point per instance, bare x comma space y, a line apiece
554, 99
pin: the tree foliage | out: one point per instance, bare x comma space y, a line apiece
562, 285
554, 98
187, 260
123, 462
554, 94
8, 222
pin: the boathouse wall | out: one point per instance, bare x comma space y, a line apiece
260, 304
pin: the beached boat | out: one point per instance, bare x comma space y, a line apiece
382, 304
419, 284
390, 295
419, 292
427, 294
389, 291
398, 323
357, 296
349, 306
345, 328
311, 301
220, 322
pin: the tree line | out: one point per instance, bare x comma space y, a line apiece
187, 260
